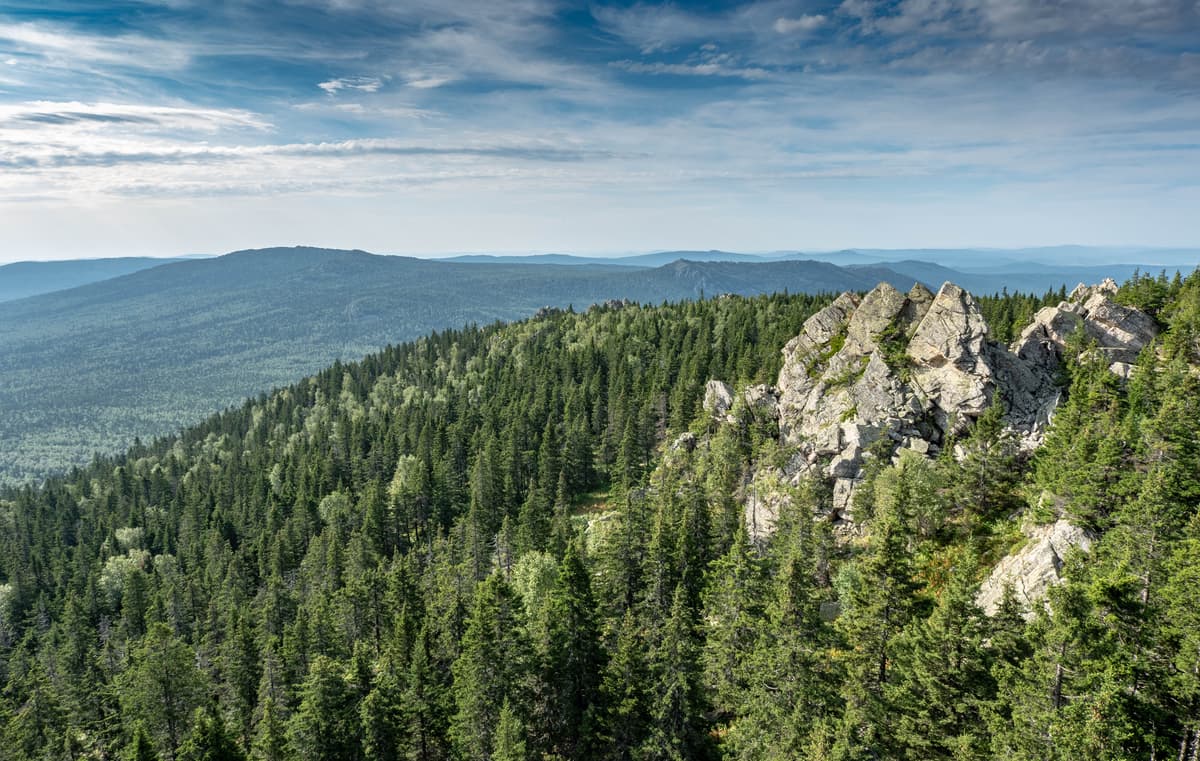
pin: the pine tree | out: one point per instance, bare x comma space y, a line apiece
140, 748
270, 740
510, 737
732, 623
791, 689
37, 728
210, 739
325, 726
944, 677
494, 666
675, 700
162, 687
572, 661
425, 712
1183, 617
382, 716
878, 597
625, 723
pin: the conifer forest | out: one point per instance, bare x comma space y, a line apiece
545, 541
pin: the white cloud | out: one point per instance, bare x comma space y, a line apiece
785, 25
368, 111
75, 116
363, 84
709, 61
702, 69
62, 46
655, 28
429, 83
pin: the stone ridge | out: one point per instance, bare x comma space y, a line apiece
892, 371
1118, 332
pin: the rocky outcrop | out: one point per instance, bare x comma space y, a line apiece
1118, 332
718, 398
1033, 569
889, 371
894, 371
762, 399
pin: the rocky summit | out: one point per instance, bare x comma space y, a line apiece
875, 375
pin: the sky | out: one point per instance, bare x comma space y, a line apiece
169, 127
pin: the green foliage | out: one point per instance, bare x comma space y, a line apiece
210, 740
1007, 314
140, 747
1149, 293
162, 687
163, 348
481, 545
893, 349
325, 724
510, 737
493, 670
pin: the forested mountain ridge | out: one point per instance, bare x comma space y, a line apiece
20, 280
161, 348
529, 541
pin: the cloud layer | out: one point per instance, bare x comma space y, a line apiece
779, 124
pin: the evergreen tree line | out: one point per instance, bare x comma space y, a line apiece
485, 545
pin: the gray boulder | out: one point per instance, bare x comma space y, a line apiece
951, 363
718, 398
1119, 332
763, 400
1033, 569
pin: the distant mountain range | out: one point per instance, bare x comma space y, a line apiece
1026, 269
22, 279
89, 368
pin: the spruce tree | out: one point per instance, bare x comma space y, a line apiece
325, 726
944, 680
675, 699
494, 666
210, 739
162, 687
572, 662
510, 737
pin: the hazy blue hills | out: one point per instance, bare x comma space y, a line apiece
656, 259
977, 269
90, 368
22, 279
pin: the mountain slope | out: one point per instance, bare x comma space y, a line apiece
534, 538
23, 279
90, 368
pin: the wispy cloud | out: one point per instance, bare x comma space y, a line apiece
708, 62
58, 45
785, 25
85, 115
363, 84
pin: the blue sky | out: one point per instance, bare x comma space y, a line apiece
176, 126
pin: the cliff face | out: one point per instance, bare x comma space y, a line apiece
898, 371
891, 371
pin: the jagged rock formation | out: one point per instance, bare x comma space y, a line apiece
718, 398
891, 371
1033, 569
895, 371
1119, 332
762, 400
